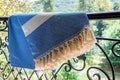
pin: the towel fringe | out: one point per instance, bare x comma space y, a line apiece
76, 46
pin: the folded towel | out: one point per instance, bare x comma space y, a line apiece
44, 41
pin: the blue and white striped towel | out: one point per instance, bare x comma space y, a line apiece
45, 40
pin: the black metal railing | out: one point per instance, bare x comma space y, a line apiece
8, 72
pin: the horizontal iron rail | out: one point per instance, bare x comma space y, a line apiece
3, 18
94, 16
109, 39
104, 15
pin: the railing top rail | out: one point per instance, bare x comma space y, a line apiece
95, 15
104, 15
3, 18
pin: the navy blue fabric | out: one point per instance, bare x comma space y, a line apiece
56, 30
20, 54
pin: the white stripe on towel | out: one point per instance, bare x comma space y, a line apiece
35, 22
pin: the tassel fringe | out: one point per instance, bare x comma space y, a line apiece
76, 46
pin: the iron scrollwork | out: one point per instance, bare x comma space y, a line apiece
116, 51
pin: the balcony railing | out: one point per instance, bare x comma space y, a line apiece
8, 72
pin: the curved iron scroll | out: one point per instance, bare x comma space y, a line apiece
69, 66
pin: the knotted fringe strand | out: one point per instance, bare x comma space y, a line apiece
76, 46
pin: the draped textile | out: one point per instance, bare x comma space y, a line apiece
44, 41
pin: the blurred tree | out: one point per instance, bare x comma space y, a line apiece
113, 32
46, 5
116, 6
95, 5
9, 7
82, 5
101, 25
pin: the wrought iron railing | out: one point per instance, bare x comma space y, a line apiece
8, 72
